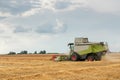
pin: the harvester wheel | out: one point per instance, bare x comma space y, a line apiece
90, 58
74, 57
98, 56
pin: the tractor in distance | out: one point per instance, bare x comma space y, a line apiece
83, 50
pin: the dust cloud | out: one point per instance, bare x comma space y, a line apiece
112, 57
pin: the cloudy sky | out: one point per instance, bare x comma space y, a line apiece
50, 25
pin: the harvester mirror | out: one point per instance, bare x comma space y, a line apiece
70, 44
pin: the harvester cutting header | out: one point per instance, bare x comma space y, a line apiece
83, 50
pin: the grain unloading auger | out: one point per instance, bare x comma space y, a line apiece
83, 50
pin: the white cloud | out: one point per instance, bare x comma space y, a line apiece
19, 42
48, 4
6, 28
104, 6
32, 40
60, 26
75, 4
30, 12
11, 41
5, 14
41, 6
32, 7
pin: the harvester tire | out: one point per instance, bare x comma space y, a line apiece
90, 58
98, 57
74, 57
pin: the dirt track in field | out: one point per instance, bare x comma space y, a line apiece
39, 67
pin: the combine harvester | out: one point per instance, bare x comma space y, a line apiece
82, 50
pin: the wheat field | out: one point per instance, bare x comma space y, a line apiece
40, 67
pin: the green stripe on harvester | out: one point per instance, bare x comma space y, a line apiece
94, 48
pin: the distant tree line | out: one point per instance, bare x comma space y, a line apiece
26, 52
